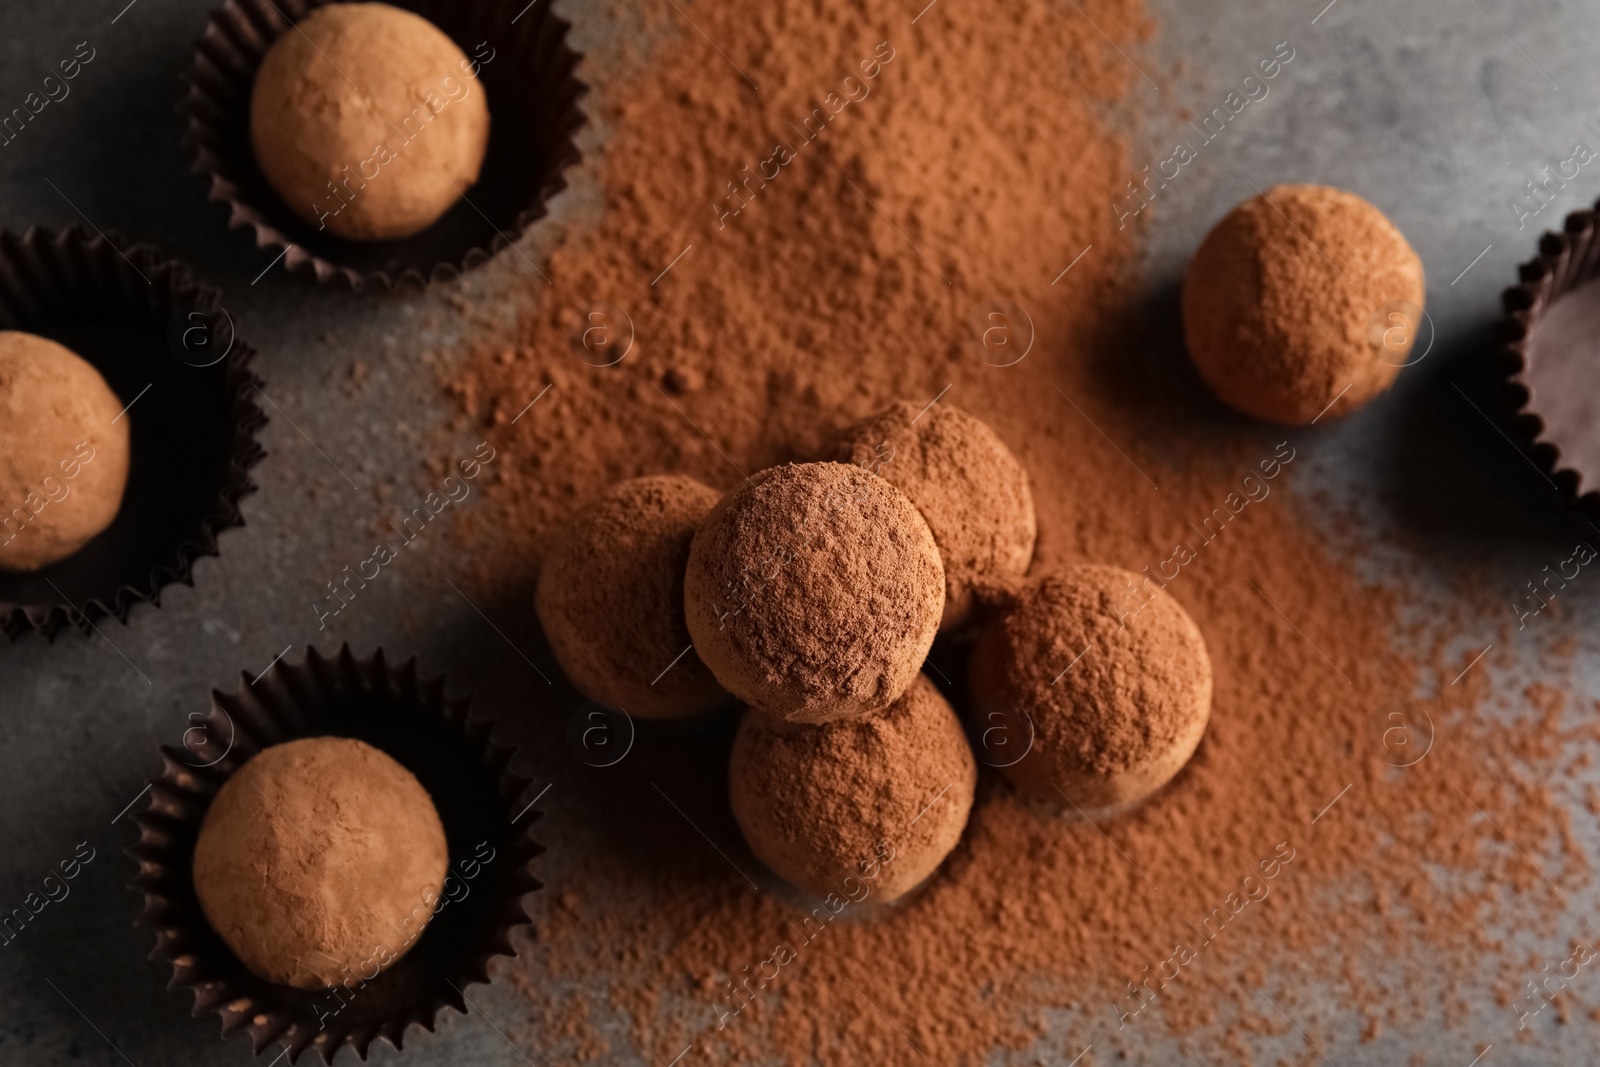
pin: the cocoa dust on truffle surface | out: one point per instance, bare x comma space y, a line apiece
610, 598
1292, 300
966, 483
813, 592
1103, 676
820, 803
314, 855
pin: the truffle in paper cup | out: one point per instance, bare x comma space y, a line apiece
1553, 356
169, 350
525, 68
487, 822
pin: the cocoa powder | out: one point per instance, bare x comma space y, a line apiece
850, 280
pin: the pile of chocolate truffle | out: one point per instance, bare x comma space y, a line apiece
813, 593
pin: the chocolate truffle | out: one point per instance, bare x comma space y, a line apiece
1300, 299
610, 598
319, 862
880, 800
968, 486
63, 452
1107, 675
368, 121
814, 591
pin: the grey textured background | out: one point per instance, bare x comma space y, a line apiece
1438, 111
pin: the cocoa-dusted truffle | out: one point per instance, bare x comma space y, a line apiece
368, 121
610, 598
1110, 679
814, 592
882, 799
320, 861
1297, 295
63, 452
966, 483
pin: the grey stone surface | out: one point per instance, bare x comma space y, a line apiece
1438, 112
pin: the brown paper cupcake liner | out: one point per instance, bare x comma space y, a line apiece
1553, 356
533, 99
480, 801
168, 349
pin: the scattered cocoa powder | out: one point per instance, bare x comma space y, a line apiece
610, 598
1102, 678
813, 592
966, 483
850, 280
883, 798
1290, 300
